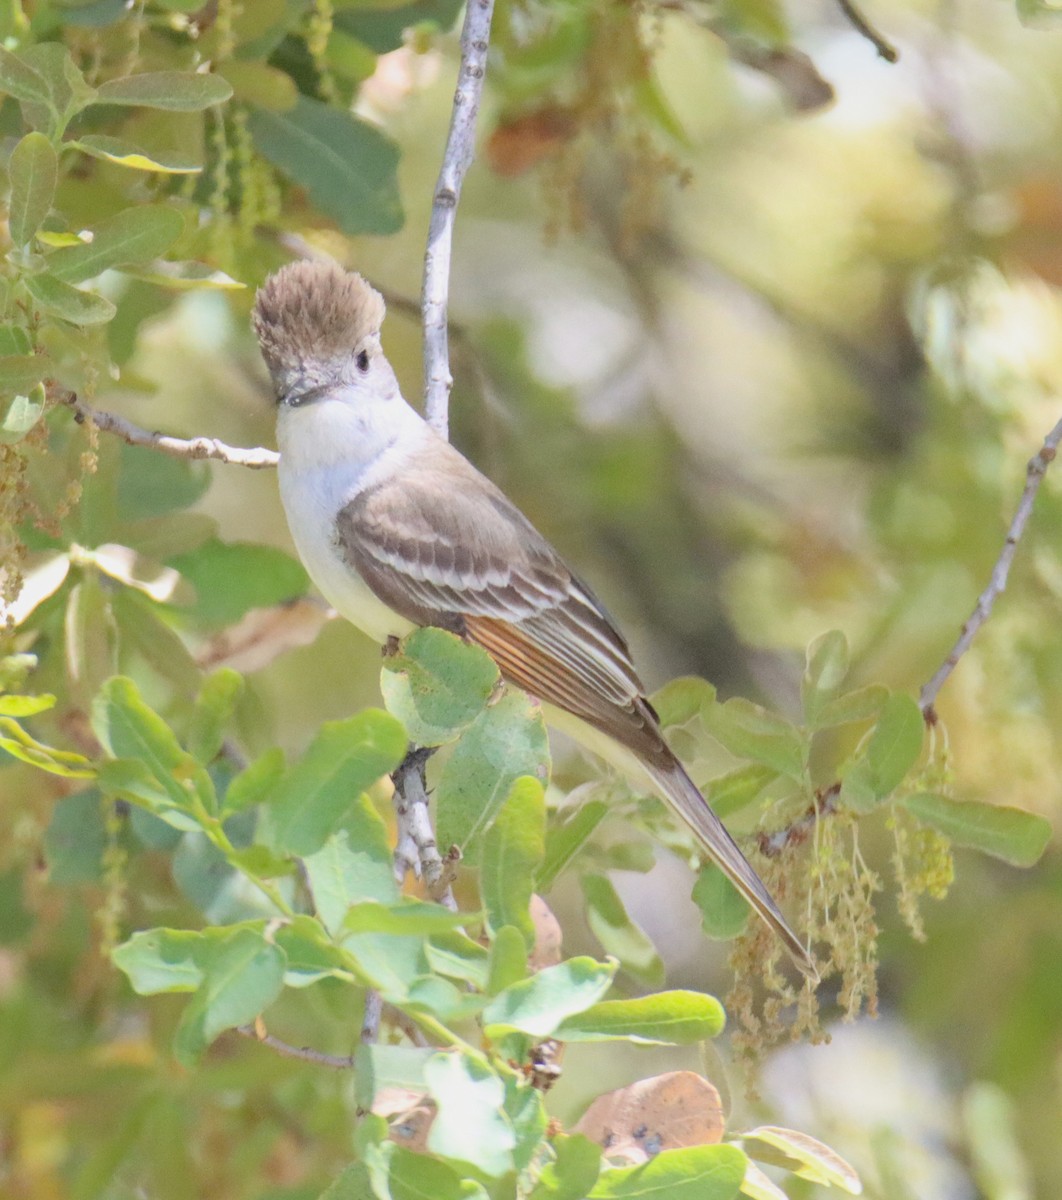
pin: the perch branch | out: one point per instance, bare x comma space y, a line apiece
417, 849
881, 44
460, 150
1034, 475
199, 447
257, 1032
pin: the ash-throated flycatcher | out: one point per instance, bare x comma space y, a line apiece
398, 529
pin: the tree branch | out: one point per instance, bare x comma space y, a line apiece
201, 447
1034, 475
417, 850
257, 1032
885, 48
460, 151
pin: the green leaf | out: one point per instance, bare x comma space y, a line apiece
1012, 834
749, 731
538, 1005
572, 1173
807, 1157
33, 170
128, 729
76, 839
864, 704
183, 276
255, 783
132, 780
260, 85
353, 1184
157, 643
730, 793
69, 303
680, 700
319, 791
354, 864
437, 685
126, 154
22, 414
453, 953
212, 712
619, 936
507, 740
66, 91
405, 917
378, 1066
311, 954
21, 372
512, 849
892, 751
21, 745
133, 235
413, 1176
526, 1113
508, 959
23, 82
824, 672
348, 167
242, 976
162, 960
175, 91
695, 1173
1039, 14
14, 340
231, 578
676, 1018
382, 26
568, 834
724, 911
25, 706
470, 1127
152, 485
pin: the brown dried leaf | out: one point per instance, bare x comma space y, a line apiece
264, 634
517, 145
548, 935
409, 1114
666, 1112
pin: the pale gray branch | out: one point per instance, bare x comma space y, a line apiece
342, 1062
199, 447
417, 850
460, 150
1034, 475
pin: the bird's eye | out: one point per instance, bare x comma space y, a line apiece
363, 361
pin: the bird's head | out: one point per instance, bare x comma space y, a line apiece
318, 327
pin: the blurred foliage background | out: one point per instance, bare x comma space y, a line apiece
761, 330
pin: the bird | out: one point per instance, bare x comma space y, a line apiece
398, 530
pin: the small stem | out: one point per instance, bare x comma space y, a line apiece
884, 47
304, 1053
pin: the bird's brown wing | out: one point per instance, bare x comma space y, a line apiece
443, 546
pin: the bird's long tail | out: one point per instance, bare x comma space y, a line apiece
682, 793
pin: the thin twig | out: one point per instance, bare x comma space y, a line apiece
1034, 475
341, 1062
460, 150
370, 1023
415, 830
771, 845
884, 47
200, 447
